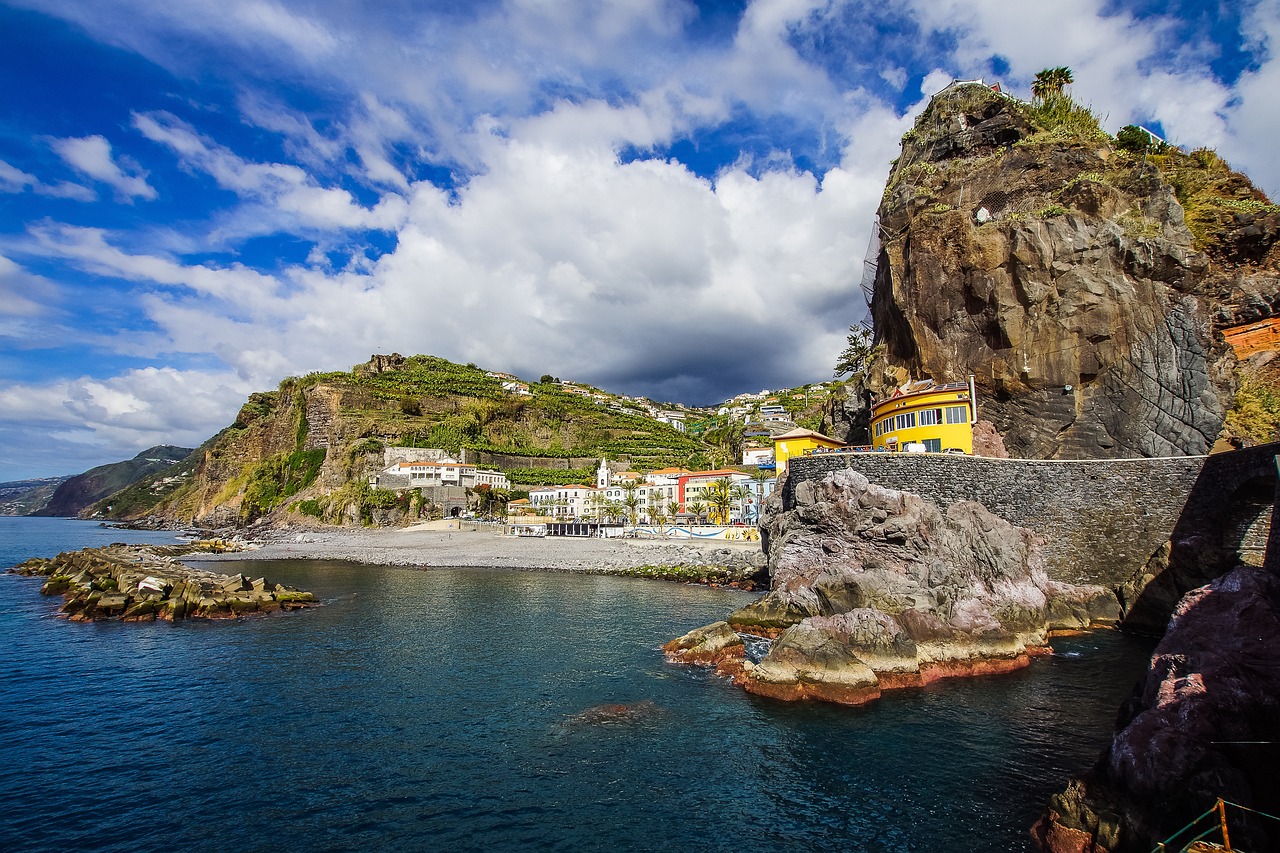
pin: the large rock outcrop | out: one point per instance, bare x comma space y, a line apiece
1061, 273
1202, 725
875, 588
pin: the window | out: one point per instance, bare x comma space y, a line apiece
933, 445
906, 420
957, 414
930, 417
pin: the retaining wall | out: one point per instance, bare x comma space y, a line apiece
1103, 519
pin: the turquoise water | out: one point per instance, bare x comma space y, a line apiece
440, 710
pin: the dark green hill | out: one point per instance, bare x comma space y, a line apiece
77, 493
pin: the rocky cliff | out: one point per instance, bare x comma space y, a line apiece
1082, 285
1202, 725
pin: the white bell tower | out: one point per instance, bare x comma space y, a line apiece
602, 475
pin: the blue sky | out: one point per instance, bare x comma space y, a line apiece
661, 197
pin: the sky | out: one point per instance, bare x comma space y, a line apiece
665, 198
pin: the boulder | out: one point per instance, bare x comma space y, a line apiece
889, 590
810, 662
711, 644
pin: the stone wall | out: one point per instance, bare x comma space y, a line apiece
1103, 519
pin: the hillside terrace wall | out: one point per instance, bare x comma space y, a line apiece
1103, 519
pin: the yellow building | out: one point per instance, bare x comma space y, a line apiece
927, 417
797, 443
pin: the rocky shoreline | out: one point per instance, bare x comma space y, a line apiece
876, 589
143, 583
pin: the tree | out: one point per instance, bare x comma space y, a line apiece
1050, 82
410, 405
858, 355
720, 496
598, 503
1133, 138
697, 508
631, 500
741, 493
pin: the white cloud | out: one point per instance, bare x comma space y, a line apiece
287, 196
1254, 113
88, 420
91, 156
14, 180
23, 294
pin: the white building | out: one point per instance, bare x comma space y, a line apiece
446, 473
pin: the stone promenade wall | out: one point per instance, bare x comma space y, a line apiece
1103, 518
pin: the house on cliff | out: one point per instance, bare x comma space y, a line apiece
937, 417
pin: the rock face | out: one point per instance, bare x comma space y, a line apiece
1060, 272
1202, 725
143, 583
875, 588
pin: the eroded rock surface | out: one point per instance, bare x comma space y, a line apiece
875, 588
1202, 725
1069, 279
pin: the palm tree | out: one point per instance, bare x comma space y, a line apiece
598, 503
720, 496
631, 500
696, 507
673, 510
741, 494
1050, 82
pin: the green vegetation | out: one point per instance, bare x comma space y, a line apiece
1135, 140
551, 476
1050, 83
1255, 414
1058, 119
1210, 193
273, 480
858, 355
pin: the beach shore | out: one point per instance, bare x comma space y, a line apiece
433, 548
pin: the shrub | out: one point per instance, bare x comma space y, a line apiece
410, 406
1134, 139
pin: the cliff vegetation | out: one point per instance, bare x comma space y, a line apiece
308, 448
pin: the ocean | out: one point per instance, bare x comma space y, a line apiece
451, 709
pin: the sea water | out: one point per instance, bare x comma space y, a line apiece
451, 709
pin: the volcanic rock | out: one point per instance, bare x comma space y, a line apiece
1202, 725
1069, 279
875, 588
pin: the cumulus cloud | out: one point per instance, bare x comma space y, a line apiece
564, 236
285, 195
91, 156
83, 421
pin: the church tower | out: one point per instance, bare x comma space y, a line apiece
602, 475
